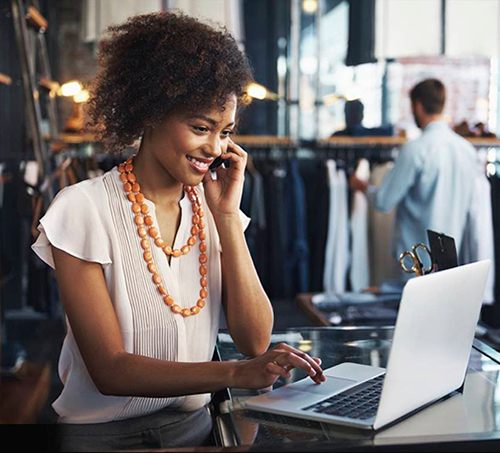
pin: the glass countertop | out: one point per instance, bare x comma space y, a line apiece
471, 415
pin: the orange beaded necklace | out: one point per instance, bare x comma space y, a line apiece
145, 227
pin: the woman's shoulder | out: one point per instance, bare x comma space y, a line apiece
89, 191
76, 223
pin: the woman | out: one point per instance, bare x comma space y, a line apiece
147, 254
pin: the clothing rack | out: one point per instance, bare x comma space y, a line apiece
30, 27
280, 161
264, 142
345, 150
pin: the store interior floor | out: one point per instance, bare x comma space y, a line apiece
42, 340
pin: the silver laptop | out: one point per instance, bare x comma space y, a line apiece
430, 351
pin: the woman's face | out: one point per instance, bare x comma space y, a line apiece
185, 145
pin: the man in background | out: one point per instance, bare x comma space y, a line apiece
354, 114
432, 181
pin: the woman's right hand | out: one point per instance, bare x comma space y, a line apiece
264, 370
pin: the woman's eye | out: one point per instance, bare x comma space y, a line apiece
201, 128
227, 133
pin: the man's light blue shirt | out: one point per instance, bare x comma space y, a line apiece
431, 184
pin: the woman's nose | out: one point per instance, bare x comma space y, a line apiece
214, 147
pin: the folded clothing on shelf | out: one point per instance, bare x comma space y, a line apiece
379, 307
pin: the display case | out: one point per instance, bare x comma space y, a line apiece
468, 420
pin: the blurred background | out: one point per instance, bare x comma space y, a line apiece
311, 59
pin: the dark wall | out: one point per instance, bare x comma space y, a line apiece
12, 148
11, 97
265, 22
15, 211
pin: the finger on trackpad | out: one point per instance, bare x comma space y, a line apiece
330, 386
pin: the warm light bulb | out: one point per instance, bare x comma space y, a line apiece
71, 88
310, 6
257, 91
82, 96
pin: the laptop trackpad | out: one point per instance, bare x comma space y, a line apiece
331, 386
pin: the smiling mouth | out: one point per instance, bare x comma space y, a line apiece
199, 164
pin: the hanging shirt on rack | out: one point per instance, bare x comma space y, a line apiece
254, 204
298, 247
478, 241
337, 244
315, 176
360, 266
490, 314
432, 186
278, 231
380, 225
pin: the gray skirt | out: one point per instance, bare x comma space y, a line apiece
163, 429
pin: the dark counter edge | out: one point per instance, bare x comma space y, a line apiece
488, 351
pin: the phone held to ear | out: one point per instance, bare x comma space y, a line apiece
216, 163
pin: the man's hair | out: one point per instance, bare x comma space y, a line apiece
159, 64
432, 95
353, 113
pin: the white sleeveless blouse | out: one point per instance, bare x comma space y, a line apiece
93, 221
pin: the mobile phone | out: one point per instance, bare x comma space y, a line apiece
218, 162
443, 250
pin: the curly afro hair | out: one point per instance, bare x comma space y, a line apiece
158, 64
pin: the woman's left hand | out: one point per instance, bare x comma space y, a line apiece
223, 195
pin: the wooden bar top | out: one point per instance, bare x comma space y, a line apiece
372, 141
270, 140
397, 141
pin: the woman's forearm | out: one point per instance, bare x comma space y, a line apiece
135, 375
128, 374
248, 310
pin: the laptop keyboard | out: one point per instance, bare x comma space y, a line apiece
360, 402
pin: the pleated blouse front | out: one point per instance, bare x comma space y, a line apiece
93, 221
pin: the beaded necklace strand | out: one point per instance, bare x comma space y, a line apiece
145, 228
